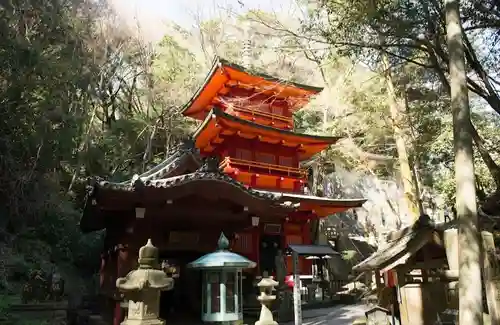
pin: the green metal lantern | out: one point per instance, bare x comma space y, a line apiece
222, 300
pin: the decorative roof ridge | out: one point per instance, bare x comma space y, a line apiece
182, 151
217, 112
218, 62
200, 175
310, 196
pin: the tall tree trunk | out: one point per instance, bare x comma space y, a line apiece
414, 163
470, 290
416, 182
396, 109
82, 147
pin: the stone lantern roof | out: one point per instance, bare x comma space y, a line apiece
147, 275
222, 258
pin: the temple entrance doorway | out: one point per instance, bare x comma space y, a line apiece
269, 246
184, 301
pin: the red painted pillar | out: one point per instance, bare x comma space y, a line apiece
306, 240
117, 317
306, 233
122, 268
256, 247
102, 270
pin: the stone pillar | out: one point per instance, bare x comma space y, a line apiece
115, 269
451, 245
122, 261
285, 307
489, 261
266, 286
297, 299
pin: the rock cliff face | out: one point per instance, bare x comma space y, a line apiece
384, 211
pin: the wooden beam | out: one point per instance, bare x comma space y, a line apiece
447, 275
203, 207
206, 225
228, 133
428, 265
272, 91
172, 209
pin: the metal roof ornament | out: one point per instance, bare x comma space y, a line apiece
223, 242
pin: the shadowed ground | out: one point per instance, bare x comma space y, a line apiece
338, 315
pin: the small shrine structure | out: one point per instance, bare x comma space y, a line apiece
414, 270
239, 174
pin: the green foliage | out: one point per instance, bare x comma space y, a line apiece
349, 255
78, 98
412, 34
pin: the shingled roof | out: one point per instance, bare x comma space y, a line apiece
405, 244
491, 206
199, 176
184, 158
160, 178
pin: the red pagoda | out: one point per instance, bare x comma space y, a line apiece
239, 174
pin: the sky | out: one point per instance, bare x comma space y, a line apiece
152, 14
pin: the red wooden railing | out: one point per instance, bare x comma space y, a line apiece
248, 165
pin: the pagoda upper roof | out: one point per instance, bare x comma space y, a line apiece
224, 72
219, 124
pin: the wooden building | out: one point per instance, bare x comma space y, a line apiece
240, 173
413, 274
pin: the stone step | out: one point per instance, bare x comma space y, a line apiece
96, 320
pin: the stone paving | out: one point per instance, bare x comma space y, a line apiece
337, 315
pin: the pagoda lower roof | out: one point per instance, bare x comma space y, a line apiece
173, 179
224, 72
213, 184
323, 206
219, 125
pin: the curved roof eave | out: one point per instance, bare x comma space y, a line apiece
219, 113
89, 213
198, 176
183, 154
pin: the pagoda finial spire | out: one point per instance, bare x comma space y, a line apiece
247, 46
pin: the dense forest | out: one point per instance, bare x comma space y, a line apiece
83, 95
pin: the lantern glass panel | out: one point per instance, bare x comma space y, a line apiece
240, 281
238, 291
230, 291
204, 294
214, 283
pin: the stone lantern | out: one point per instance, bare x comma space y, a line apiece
266, 287
222, 283
142, 288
